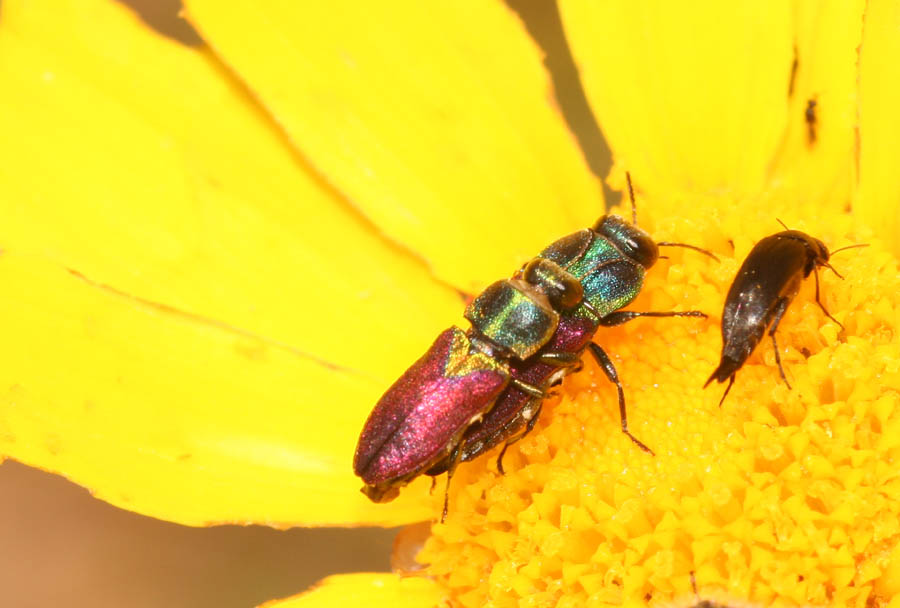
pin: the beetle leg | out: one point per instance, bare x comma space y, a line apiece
529, 426
571, 360
530, 389
500, 459
624, 316
696, 593
455, 458
686, 246
780, 309
819, 302
560, 359
609, 369
728, 388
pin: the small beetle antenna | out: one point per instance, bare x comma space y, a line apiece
631, 196
830, 267
661, 244
849, 247
686, 246
782, 224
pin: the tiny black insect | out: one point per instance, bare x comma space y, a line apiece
763, 289
811, 120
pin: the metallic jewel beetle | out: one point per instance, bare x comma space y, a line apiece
594, 257
763, 289
527, 333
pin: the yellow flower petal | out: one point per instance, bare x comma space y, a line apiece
691, 96
435, 119
140, 165
816, 158
174, 416
373, 590
879, 122
780, 497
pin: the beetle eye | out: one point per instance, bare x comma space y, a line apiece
631, 240
563, 291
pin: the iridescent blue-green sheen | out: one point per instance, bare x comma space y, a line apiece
613, 285
513, 316
610, 279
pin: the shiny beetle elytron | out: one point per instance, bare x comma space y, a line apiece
763, 289
527, 332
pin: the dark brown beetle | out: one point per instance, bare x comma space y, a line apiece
763, 289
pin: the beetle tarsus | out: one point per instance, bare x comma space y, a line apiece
609, 369
727, 388
726, 371
686, 246
819, 302
446, 498
455, 457
778, 361
500, 459
780, 309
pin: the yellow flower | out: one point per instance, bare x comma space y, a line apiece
216, 259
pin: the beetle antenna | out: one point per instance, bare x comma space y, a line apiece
631, 196
830, 267
782, 224
849, 247
686, 246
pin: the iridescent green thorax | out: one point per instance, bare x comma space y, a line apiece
512, 315
611, 280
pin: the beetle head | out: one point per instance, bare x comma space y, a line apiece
820, 250
631, 240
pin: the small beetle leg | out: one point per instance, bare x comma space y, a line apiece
500, 459
780, 309
686, 246
455, 458
727, 388
819, 302
624, 316
530, 389
606, 365
528, 428
561, 359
